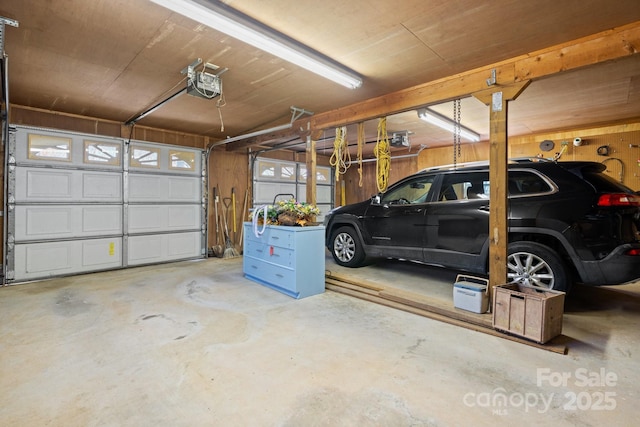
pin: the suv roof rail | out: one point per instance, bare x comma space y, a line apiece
515, 160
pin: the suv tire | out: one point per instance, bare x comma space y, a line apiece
346, 247
534, 264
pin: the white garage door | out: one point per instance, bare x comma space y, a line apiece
279, 178
79, 203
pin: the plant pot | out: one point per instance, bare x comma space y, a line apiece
287, 218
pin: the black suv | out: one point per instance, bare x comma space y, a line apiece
568, 221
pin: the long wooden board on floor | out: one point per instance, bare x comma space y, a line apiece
429, 307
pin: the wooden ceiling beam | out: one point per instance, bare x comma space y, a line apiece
597, 48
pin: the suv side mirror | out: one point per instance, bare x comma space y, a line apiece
375, 200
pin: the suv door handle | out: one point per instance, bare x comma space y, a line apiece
484, 208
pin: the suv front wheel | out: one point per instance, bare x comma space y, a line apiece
536, 265
346, 248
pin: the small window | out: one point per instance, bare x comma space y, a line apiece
266, 169
183, 160
323, 175
288, 172
103, 153
46, 147
144, 157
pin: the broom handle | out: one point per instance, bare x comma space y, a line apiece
215, 208
244, 213
233, 211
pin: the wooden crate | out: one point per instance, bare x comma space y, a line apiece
528, 312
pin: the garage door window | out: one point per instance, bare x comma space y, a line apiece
144, 157
102, 153
182, 160
47, 147
283, 179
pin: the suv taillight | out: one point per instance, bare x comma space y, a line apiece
618, 199
633, 252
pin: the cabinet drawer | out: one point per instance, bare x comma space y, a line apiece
273, 274
273, 254
276, 236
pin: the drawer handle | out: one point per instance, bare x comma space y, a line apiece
279, 275
275, 237
255, 267
259, 250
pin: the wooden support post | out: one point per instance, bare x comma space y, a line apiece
498, 99
498, 207
311, 167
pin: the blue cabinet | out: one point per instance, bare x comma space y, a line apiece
287, 259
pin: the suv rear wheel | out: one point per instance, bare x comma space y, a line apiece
536, 265
346, 248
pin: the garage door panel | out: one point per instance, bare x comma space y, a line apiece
42, 260
162, 218
184, 217
266, 191
39, 222
62, 222
151, 249
145, 219
184, 245
101, 253
101, 186
184, 189
42, 185
162, 188
98, 220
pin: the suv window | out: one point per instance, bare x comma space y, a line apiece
413, 191
462, 186
604, 183
527, 183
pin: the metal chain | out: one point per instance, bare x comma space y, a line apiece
456, 131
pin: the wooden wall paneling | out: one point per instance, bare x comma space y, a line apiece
143, 133
28, 116
619, 139
51, 119
227, 170
444, 155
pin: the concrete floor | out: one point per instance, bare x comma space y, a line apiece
196, 344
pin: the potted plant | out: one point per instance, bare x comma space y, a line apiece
288, 212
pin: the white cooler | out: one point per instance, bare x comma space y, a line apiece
470, 293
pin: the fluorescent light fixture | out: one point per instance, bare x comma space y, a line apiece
220, 17
445, 123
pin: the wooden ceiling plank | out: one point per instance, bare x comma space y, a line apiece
604, 46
